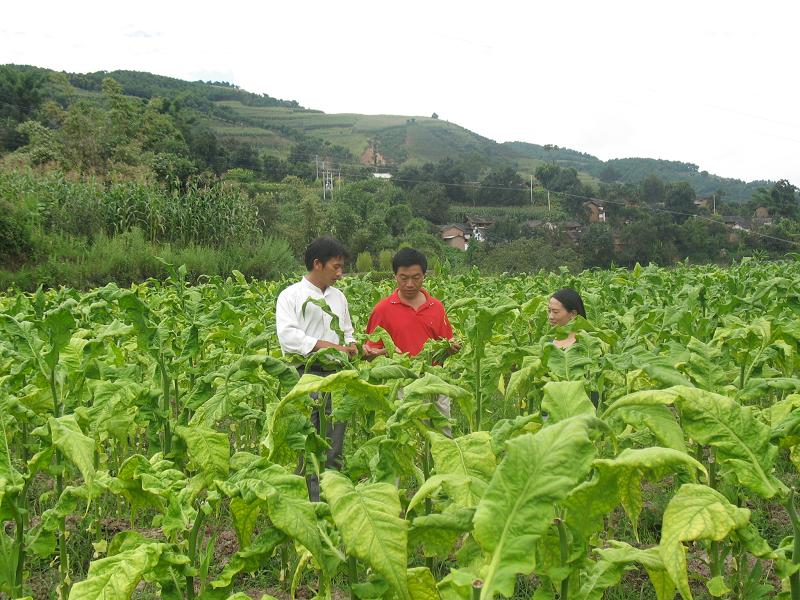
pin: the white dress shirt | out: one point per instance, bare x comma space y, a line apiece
298, 333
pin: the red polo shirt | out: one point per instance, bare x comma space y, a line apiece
410, 328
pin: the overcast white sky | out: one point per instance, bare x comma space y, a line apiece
708, 82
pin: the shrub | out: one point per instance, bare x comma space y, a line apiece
364, 262
385, 260
15, 235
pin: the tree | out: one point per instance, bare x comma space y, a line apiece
429, 201
781, 200
528, 256
450, 175
434, 116
651, 189
397, 218
680, 197
646, 240
556, 179
502, 231
597, 246
609, 174
701, 240
503, 187
21, 95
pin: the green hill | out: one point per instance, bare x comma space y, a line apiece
633, 170
275, 127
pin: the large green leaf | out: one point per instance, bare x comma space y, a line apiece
469, 456
209, 450
618, 481
430, 386
421, 584
696, 512
612, 562
58, 323
438, 532
285, 498
250, 558
116, 577
222, 403
78, 448
538, 470
349, 380
742, 442
659, 420
565, 399
244, 516
367, 517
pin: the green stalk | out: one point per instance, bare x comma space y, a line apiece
19, 538
562, 542
477, 587
198, 523
63, 567
794, 578
426, 470
165, 408
177, 400
478, 394
323, 427
716, 563
284, 564
19, 519
352, 574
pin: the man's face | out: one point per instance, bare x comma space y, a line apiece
409, 281
330, 272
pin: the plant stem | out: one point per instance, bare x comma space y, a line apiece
323, 426
477, 587
562, 542
352, 574
794, 578
198, 523
478, 394
716, 563
426, 470
165, 407
63, 567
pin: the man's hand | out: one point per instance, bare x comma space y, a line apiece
371, 352
455, 345
350, 350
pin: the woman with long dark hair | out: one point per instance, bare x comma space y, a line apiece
565, 305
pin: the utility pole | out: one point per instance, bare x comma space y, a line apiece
714, 197
531, 190
316, 162
548, 200
327, 181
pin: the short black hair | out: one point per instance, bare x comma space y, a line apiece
323, 249
571, 300
408, 257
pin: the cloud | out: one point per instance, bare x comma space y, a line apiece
148, 35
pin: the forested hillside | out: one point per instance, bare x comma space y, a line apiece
102, 177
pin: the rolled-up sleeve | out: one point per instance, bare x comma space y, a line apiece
291, 336
347, 324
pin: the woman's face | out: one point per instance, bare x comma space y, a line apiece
557, 314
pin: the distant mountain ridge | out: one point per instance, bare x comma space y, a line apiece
275, 127
633, 170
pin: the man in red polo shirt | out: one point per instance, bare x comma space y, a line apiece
410, 314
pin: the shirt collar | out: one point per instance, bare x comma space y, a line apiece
395, 298
308, 284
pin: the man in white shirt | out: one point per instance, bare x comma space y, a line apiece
305, 331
